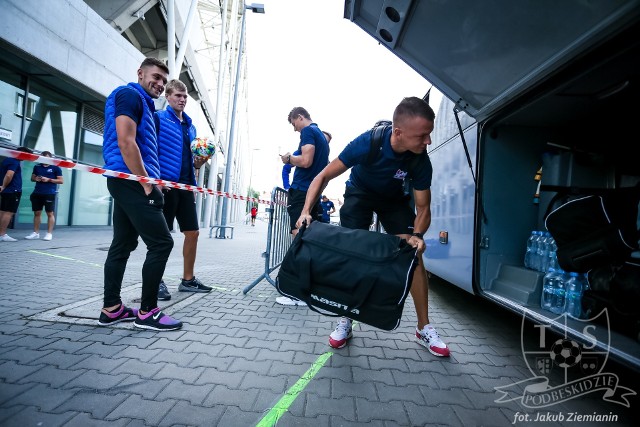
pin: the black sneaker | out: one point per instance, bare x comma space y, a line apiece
193, 285
163, 292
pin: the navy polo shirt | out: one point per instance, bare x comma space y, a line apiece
384, 177
128, 103
48, 171
302, 177
11, 164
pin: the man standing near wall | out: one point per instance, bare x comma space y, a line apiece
177, 163
313, 157
10, 192
47, 178
130, 146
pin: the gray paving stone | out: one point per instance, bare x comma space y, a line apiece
183, 413
234, 416
392, 411
407, 393
177, 390
43, 397
148, 411
211, 361
434, 396
186, 374
12, 372
367, 375
344, 407
136, 367
229, 379
10, 391
23, 355
100, 349
340, 389
177, 358
441, 415
486, 417
240, 364
100, 364
144, 355
96, 403
224, 396
96, 381
276, 384
144, 387
84, 420
30, 416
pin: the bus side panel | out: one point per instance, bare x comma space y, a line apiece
452, 212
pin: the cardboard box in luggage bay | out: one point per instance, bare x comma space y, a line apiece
363, 275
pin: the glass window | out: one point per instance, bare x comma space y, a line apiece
10, 120
92, 204
51, 125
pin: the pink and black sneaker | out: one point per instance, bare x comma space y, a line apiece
156, 320
122, 314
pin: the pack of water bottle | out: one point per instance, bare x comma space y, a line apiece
561, 291
541, 252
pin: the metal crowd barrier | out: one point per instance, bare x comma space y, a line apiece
278, 236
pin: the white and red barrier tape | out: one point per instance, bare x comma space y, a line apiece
68, 164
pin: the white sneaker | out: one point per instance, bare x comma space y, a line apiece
48, 236
7, 238
429, 338
33, 236
341, 334
290, 301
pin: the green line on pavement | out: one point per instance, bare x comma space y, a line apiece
65, 258
285, 401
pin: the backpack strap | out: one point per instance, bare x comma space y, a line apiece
377, 133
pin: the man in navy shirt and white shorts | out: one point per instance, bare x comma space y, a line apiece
47, 178
377, 186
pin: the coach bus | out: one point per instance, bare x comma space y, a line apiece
535, 88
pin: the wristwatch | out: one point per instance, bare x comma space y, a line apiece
417, 235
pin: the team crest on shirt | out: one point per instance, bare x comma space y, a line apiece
400, 174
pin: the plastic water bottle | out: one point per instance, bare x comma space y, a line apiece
559, 291
552, 259
527, 254
548, 285
543, 251
533, 258
573, 301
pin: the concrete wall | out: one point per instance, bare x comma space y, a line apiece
72, 40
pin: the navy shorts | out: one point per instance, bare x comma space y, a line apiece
180, 205
395, 215
46, 201
295, 203
9, 202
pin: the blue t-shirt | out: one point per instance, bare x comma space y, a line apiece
385, 176
11, 164
326, 207
48, 171
302, 177
128, 103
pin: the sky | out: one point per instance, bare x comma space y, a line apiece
303, 53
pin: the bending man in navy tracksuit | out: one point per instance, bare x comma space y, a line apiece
130, 146
177, 163
378, 187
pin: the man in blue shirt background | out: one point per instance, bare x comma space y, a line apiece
10, 192
377, 186
286, 169
47, 178
327, 209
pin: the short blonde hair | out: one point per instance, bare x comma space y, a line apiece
175, 85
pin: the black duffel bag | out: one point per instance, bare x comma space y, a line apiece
359, 274
596, 230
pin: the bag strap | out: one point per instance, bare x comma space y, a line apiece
377, 133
